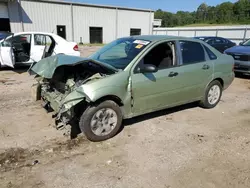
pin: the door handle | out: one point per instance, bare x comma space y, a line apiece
173, 74
205, 67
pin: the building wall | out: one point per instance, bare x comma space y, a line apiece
235, 33
132, 19
44, 16
85, 17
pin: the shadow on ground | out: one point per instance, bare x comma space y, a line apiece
152, 115
75, 130
18, 69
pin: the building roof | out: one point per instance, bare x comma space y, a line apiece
91, 5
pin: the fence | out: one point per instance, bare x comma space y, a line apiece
235, 33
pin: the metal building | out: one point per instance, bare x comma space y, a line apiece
75, 21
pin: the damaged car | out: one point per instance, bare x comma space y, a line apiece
129, 77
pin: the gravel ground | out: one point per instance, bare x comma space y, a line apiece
181, 147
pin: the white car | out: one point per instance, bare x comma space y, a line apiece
28, 47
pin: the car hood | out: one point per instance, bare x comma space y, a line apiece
239, 50
46, 67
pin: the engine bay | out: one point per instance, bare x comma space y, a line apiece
66, 78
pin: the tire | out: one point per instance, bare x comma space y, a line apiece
205, 102
93, 121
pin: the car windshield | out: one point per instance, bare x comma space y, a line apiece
120, 52
247, 43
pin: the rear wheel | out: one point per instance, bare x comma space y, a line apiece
101, 121
212, 95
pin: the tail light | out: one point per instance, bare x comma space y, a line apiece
76, 48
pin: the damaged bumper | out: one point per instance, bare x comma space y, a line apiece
61, 104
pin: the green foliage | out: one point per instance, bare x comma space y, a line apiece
224, 13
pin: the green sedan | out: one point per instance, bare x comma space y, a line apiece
129, 77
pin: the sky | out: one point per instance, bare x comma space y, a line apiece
166, 5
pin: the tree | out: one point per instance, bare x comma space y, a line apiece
223, 13
201, 13
242, 10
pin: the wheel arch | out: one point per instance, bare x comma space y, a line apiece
114, 98
220, 80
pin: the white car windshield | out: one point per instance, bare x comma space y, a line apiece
247, 43
120, 52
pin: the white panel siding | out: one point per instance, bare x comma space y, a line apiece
128, 19
205, 33
187, 33
232, 33
174, 33
78, 18
248, 34
160, 32
44, 17
85, 17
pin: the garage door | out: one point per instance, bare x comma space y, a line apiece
3, 10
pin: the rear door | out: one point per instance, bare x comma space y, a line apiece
37, 49
195, 71
6, 53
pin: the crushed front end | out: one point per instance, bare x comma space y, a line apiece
61, 90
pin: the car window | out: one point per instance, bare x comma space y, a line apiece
210, 41
192, 52
224, 41
40, 40
18, 39
210, 54
218, 41
162, 56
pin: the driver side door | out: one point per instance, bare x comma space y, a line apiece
7, 57
156, 90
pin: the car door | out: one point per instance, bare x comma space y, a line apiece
6, 53
152, 91
195, 71
38, 47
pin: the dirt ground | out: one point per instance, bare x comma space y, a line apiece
182, 147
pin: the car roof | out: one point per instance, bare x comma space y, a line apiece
154, 38
207, 37
34, 32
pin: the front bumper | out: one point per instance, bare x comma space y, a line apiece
242, 67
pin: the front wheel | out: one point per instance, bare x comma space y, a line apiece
212, 95
101, 121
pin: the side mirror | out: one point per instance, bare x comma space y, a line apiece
148, 68
241, 43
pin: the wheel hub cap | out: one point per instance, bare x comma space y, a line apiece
103, 122
214, 94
